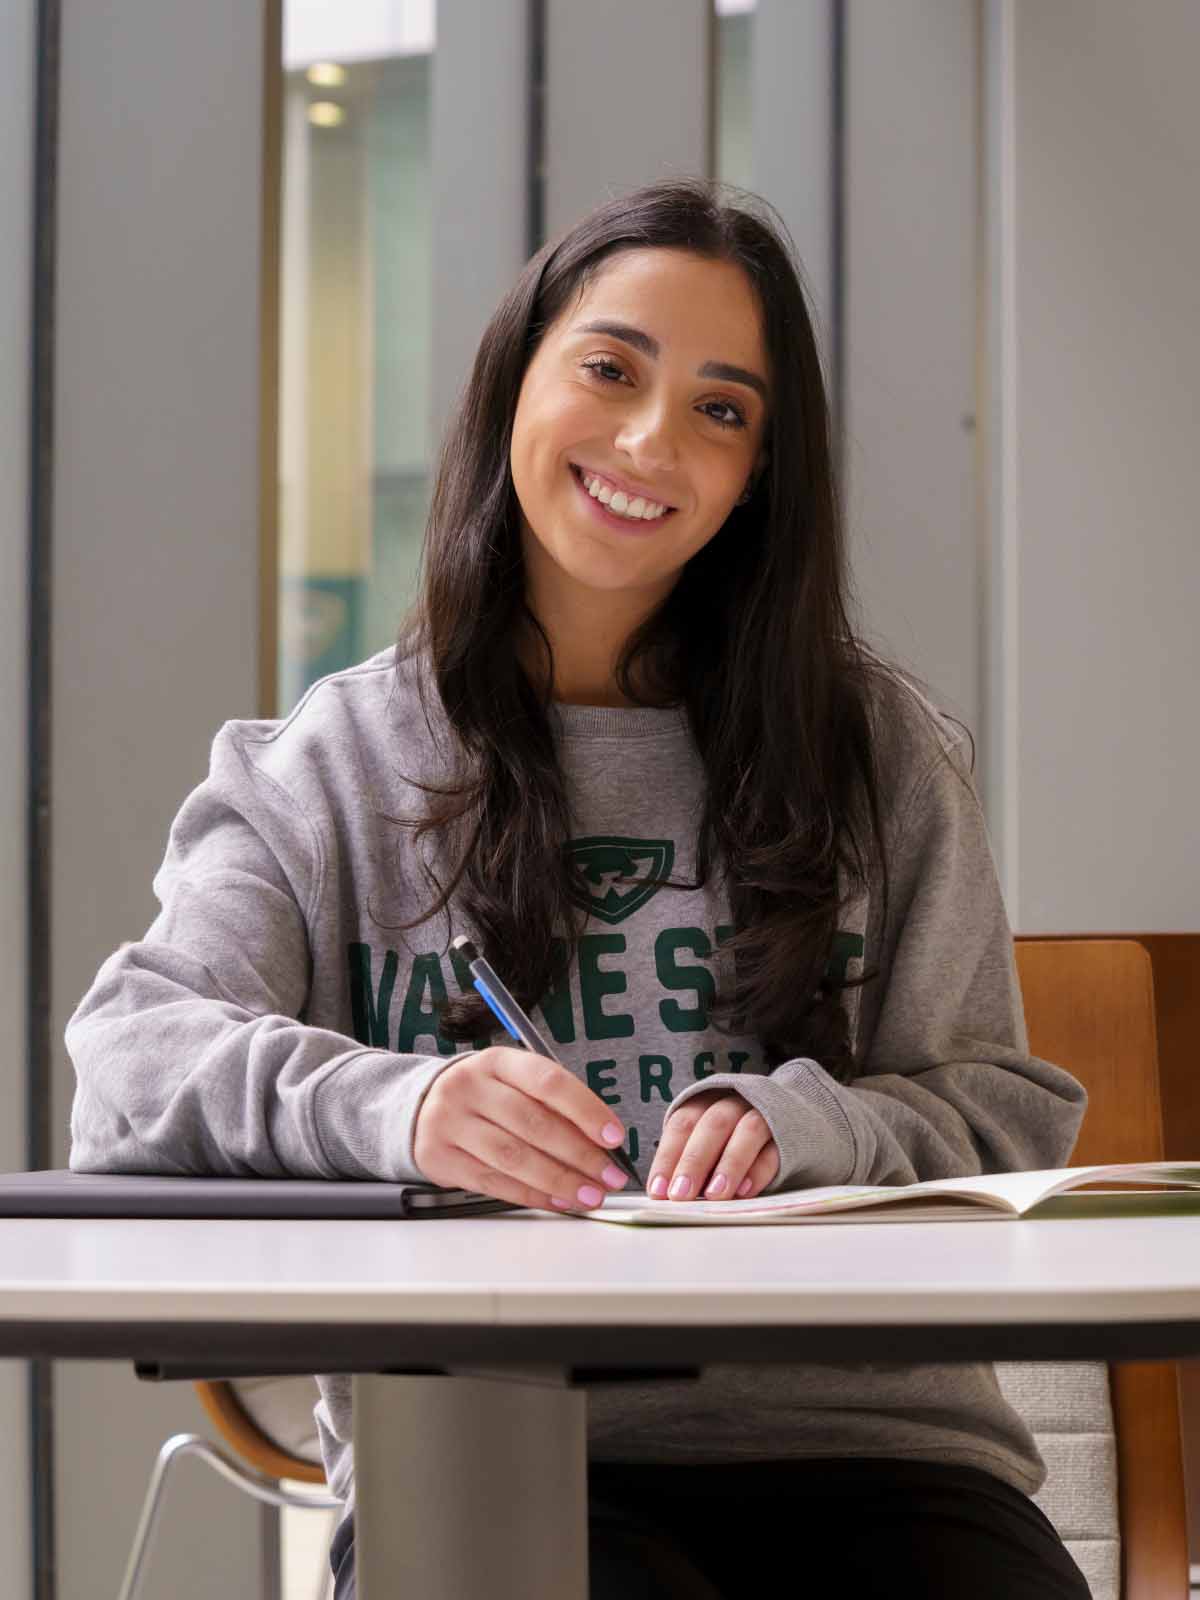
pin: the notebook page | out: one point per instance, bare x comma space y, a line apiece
1003, 1194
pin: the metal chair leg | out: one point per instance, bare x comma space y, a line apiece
181, 1444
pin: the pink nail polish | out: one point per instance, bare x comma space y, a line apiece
744, 1187
718, 1186
681, 1188
658, 1187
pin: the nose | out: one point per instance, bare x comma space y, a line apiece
647, 438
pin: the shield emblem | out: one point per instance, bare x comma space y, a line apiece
608, 873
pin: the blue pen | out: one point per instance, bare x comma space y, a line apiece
516, 1022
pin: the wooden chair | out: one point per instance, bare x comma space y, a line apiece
1089, 1007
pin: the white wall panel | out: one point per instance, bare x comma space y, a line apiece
155, 627
480, 150
628, 96
1107, 352
910, 330
791, 79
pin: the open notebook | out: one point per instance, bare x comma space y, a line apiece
1055, 1192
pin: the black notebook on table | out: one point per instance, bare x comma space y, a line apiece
61, 1193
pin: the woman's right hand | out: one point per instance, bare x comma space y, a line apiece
519, 1127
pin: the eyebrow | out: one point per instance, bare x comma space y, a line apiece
650, 347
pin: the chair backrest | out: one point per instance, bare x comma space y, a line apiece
1089, 1007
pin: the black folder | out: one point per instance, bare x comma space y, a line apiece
61, 1193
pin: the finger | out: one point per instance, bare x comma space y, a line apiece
704, 1144
676, 1131
763, 1170
697, 1170
545, 1131
507, 1154
477, 1176
551, 1083
733, 1164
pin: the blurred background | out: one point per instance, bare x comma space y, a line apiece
249, 250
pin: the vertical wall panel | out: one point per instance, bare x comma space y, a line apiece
1107, 240
791, 78
480, 117
998, 446
17, 111
628, 99
910, 358
156, 611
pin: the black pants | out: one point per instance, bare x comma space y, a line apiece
870, 1528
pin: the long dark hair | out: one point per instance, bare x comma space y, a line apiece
754, 641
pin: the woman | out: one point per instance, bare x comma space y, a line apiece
628, 742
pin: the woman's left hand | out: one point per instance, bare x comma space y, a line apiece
715, 1135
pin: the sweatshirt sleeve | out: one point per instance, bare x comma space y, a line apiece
189, 1054
947, 1086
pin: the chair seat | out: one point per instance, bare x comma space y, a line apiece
1068, 1407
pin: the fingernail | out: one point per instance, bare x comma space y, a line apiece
658, 1187
611, 1133
614, 1177
744, 1187
718, 1185
681, 1188
589, 1195
563, 1205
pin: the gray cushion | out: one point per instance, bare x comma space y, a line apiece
1068, 1406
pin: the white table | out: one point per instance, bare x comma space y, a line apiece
523, 1310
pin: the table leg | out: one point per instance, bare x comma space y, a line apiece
469, 1487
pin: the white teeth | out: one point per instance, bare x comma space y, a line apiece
638, 510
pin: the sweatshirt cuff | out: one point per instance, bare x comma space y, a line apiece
801, 1107
365, 1112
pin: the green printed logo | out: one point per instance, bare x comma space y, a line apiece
600, 863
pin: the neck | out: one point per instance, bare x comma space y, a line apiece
586, 641
581, 677
584, 658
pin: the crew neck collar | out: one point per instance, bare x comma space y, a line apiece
617, 722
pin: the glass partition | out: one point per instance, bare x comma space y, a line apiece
733, 142
356, 266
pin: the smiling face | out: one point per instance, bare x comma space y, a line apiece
653, 382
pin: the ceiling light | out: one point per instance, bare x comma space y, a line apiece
326, 75
324, 114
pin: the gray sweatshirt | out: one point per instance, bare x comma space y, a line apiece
265, 1024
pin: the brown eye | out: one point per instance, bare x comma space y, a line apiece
607, 366
737, 420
